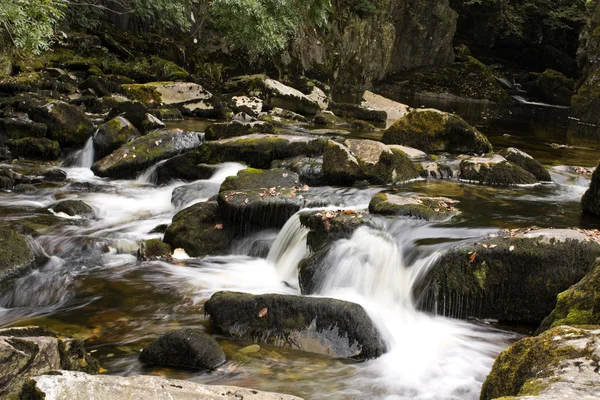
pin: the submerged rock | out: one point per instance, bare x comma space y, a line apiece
73, 208
433, 131
526, 162
319, 325
141, 153
67, 124
33, 147
79, 386
427, 208
513, 277
188, 348
561, 363
30, 351
199, 231
494, 171
15, 253
112, 135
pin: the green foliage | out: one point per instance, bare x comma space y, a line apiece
262, 27
29, 24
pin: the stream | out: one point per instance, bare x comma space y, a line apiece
93, 287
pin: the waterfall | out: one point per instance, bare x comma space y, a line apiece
289, 249
85, 159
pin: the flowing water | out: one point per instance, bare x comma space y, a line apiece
91, 285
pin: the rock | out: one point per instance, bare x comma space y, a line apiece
427, 208
553, 87
577, 305
590, 203
188, 348
558, 364
412, 153
79, 386
184, 167
134, 112
167, 114
24, 188
327, 118
154, 249
33, 147
8, 178
112, 135
16, 254
29, 351
141, 153
433, 131
273, 93
320, 325
436, 170
184, 195
393, 109
101, 86
19, 128
176, 93
55, 175
151, 123
513, 277
355, 111
366, 160
494, 171
260, 248
279, 113
199, 231
309, 170
229, 130
526, 162
73, 208
67, 124
250, 105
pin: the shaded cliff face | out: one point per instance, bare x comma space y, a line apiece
359, 47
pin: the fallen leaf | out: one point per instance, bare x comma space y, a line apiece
485, 245
493, 246
511, 248
472, 258
219, 226
262, 313
246, 200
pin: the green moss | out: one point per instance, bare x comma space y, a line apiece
427, 208
142, 93
14, 252
495, 173
156, 248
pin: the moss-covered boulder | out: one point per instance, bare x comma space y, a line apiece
561, 363
185, 348
67, 124
319, 325
495, 171
433, 131
172, 93
526, 162
227, 130
166, 114
184, 167
309, 169
154, 249
327, 118
250, 105
73, 208
427, 208
514, 276
133, 111
553, 87
199, 230
356, 111
578, 305
101, 86
16, 254
112, 135
590, 203
19, 128
33, 147
30, 351
135, 156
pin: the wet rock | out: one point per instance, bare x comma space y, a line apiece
513, 277
55, 175
427, 208
151, 123
16, 254
184, 167
526, 162
327, 118
112, 135
260, 248
558, 364
411, 152
67, 124
433, 131
309, 170
199, 230
319, 325
494, 171
394, 110
228, 130
250, 105
24, 188
26, 352
80, 386
590, 203
33, 147
197, 191
134, 112
141, 153
74, 208
553, 87
278, 114
101, 86
19, 128
154, 249
167, 114
188, 348
436, 170
273, 93
355, 111
8, 178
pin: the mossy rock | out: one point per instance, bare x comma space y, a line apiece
585, 104
526, 162
101, 86
74, 208
515, 277
33, 147
184, 167
132, 158
320, 325
132, 111
199, 231
67, 124
494, 171
578, 305
152, 69
553, 87
166, 114
340, 165
252, 178
112, 135
19, 128
232, 129
427, 208
355, 111
590, 203
434, 131
309, 169
15, 253
154, 249
559, 363
327, 118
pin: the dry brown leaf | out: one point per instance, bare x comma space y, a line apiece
219, 226
472, 258
262, 313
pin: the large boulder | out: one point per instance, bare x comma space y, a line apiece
553, 87
188, 348
561, 363
250, 105
67, 124
65, 385
135, 156
319, 325
309, 169
167, 92
19, 128
393, 110
16, 254
29, 351
184, 167
199, 231
590, 203
228, 130
433, 131
33, 147
427, 208
134, 112
526, 162
112, 135
514, 276
495, 171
